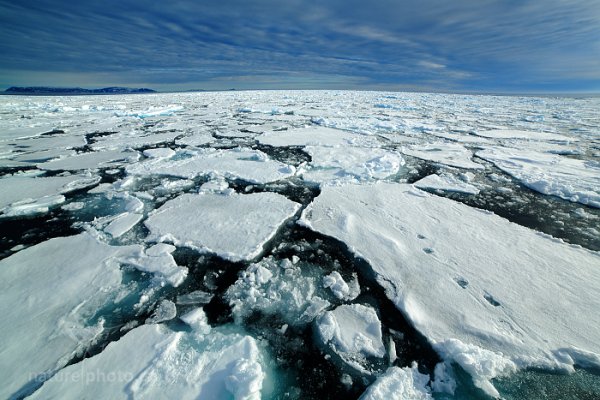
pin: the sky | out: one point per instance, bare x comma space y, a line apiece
509, 46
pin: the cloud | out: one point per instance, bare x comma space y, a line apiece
468, 44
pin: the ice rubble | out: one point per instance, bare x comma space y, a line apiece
234, 227
520, 300
352, 331
249, 165
48, 293
551, 174
31, 195
446, 182
452, 154
399, 384
152, 362
277, 288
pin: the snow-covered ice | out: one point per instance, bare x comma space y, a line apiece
446, 182
399, 384
514, 301
234, 226
452, 154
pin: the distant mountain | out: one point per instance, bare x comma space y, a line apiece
33, 90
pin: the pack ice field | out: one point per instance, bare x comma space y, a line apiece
299, 245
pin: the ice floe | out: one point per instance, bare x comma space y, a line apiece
92, 160
399, 384
520, 300
520, 134
452, 154
233, 226
49, 292
153, 362
446, 182
551, 174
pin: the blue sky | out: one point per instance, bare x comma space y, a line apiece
432, 45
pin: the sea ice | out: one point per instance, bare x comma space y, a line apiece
249, 165
353, 331
399, 384
48, 293
93, 160
152, 362
446, 182
520, 134
452, 154
314, 136
234, 227
523, 299
551, 174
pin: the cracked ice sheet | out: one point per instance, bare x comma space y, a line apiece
19, 194
490, 295
551, 174
452, 154
47, 293
234, 227
152, 362
520, 134
249, 165
336, 164
133, 139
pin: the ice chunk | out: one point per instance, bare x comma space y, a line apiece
29, 207
195, 297
519, 283
446, 182
159, 261
568, 178
161, 152
123, 224
399, 384
340, 288
353, 332
152, 362
248, 165
234, 227
452, 154
197, 320
165, 311
62, 282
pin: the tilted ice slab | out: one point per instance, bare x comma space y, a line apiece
249, 165
93, 160
48, 292
452, 154
519, 134
234, 227
399, 384
551, 174
333, 164
446, 182
353, 331
152, 362
314, 136
30, 195
490, 295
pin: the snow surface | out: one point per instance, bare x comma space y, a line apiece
552, 174
513, 302
234, 227
48, 293
152, 362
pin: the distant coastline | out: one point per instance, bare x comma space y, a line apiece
60, 91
